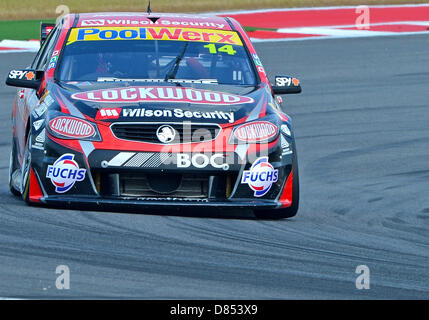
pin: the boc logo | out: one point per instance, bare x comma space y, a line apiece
260, 177
64, 173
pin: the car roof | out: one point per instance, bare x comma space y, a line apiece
128, 19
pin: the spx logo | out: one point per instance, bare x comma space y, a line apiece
64, 173
260, 177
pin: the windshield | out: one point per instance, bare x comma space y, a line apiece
136, 54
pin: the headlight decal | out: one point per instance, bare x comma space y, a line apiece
255, 132
71, 128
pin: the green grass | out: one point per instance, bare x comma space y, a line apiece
251, 29
21, 30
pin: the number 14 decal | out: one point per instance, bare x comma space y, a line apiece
226, 49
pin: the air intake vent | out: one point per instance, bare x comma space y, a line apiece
180, 186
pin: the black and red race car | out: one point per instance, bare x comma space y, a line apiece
152, 110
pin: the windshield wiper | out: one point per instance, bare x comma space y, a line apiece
171, 74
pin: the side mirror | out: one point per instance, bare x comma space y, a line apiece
25, 78
286, 85
45, 29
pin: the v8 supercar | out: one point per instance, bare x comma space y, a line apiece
152, 110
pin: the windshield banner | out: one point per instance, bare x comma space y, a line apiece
154, 33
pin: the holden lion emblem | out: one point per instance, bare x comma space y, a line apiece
166, 134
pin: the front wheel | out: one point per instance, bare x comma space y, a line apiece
13, 171
26, 170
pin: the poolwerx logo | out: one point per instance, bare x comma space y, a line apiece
154, 33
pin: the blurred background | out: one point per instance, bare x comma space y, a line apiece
31, 9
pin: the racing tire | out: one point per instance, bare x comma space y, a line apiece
289, 212
26, 170
13, 166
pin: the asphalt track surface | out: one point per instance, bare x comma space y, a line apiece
362, 134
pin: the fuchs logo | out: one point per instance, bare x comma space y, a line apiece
64, 173
255, 131
108, 113
70, 127
161, 94
260, 177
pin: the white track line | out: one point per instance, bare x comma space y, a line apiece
336, 37
32, 45
326, 31
16, 51
316, 8
19, 46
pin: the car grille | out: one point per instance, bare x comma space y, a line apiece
165, 185
195, 186
146, 132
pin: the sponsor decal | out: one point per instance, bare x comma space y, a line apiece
64, 173
285, 147
92, 23
30, 75
255, 131
154, 33
286, 81
190, 81
108, 113
258, 63
157, 159
285, 129
72, 127
48, 29
53, 62
19, 74
161, 94
166, 134
187, 199
41, 137
48, 100
144, 22
21, 93
177, 113
201, 161
40, 110
260, 177
37, 124
38, 146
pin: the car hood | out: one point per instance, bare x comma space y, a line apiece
166, 102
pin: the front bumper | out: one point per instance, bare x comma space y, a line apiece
128, 203
108, 186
